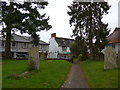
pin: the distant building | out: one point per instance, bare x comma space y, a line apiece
20, 46
114, 40
59, 48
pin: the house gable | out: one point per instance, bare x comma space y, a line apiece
114, 40
59, 47
63, 42
114, 37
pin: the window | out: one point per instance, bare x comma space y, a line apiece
13, 44
64, 48
42, 47
3, 43
25, 45
63, 41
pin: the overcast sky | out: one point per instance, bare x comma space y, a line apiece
59, 19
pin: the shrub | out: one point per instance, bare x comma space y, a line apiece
79, 57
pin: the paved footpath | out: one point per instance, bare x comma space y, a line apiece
75, 78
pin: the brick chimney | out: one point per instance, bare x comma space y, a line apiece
53, 35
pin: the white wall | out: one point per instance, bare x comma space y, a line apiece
60, 49
68, 49
53, 48
19, 47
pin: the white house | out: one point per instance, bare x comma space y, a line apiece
114, 40
20, 46
59, 48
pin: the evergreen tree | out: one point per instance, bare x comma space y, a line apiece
26, 18
79, 47
86, 18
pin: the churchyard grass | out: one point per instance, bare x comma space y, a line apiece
52, 74
97, 77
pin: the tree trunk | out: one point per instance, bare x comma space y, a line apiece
91, 53
91, 48
8, 45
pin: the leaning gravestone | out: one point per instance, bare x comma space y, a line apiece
33, 63
110, 59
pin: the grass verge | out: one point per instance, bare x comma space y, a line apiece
51, 74
97, 77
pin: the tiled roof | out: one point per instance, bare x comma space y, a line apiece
63, 41
40, 41
19, 38
114, 37
43, 43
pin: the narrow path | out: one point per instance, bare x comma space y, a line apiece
75, 78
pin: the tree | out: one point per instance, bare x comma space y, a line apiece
86, 18
74, 49
79, 47
26, 18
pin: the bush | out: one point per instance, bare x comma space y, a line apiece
82, 57
79, 57
85, 56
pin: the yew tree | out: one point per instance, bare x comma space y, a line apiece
26, 18
86, 20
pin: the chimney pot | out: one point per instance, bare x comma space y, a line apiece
53, 35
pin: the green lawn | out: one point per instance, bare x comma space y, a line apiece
97, 77
51, 74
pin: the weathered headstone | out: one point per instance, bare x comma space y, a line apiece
33, 59
42, 56
110, 59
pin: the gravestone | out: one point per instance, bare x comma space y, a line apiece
110, 59
33, 63
42, 56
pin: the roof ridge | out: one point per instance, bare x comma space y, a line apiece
66, 41
21, 36
44, 42
114, 37
28, 37
64, 38
116, 29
